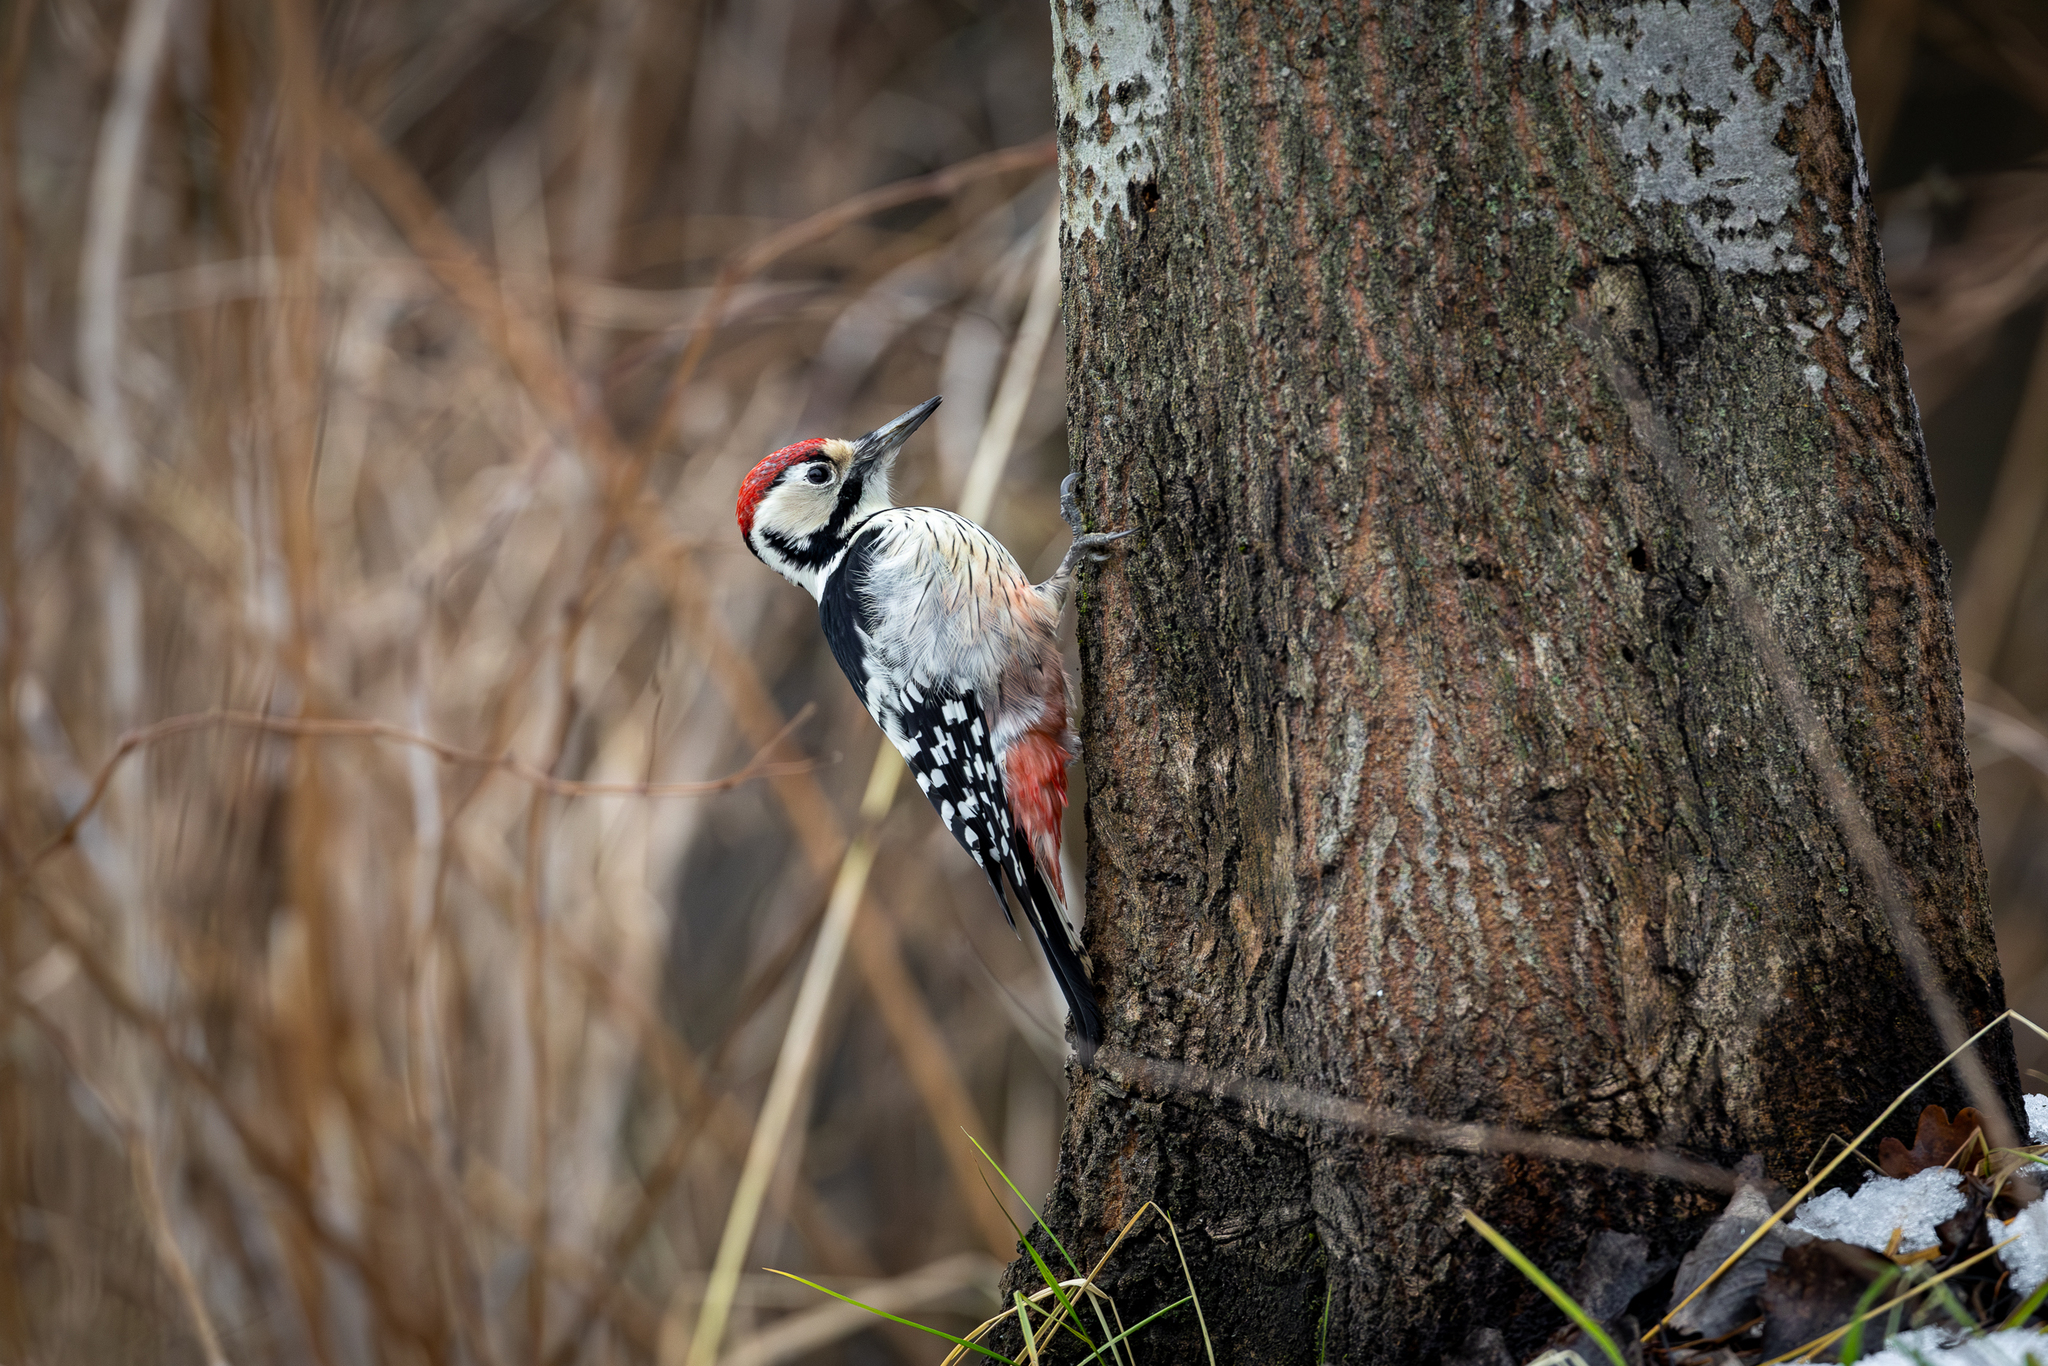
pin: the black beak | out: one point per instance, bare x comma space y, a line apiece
884, 439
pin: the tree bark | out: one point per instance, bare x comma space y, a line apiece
1490, 387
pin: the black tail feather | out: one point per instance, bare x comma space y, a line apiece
1042, 909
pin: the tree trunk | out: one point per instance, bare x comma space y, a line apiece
1494, 391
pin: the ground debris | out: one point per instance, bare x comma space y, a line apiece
1814, 1291
1731, 1301
1938, 1247
1935, 1142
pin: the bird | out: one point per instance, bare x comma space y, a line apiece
952, 650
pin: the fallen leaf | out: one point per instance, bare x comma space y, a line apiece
1730, 1301
1814, 1291
1934, 1142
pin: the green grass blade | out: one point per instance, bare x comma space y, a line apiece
1036, 1217
1852, 1343
1001, 1208
885, 1314
1946, 1299
1071, 1319
1024, 1325
1125, 1354
2028, 1306
1549, 1287
1044, 1271
1200, 1318
1323, 1330
1185, 1299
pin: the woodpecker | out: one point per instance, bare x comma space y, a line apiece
953, 652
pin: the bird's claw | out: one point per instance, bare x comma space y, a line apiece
1090, 543
1095, 544
1070, 511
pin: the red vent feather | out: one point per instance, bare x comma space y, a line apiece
1035, 777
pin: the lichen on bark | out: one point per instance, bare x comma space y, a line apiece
1430, 764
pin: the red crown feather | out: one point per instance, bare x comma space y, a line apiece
762, 478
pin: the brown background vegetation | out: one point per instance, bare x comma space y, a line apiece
431, 346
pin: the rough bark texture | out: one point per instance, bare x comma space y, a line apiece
1430, 763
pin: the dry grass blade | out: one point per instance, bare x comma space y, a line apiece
792, 1071
1828, 1339
1813, 1182
2004, 548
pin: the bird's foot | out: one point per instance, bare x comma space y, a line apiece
1094, 544
1070, 511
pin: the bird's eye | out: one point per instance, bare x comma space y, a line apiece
818, 474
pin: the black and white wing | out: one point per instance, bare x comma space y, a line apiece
941, 734
945, 740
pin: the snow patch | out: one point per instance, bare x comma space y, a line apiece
1917, 1203
2027, 1258
1946, 1347
2037, 1119
1913, 1206
1697, 111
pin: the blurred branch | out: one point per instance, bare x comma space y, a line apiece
1880, 59
454, 263
261, 1152
1991, 40
116, 168
159, 494
1951, 300
756, 768
1161, 1078
2014, 734
15, 1137
148, 1190
2012, 520
752, 260
690, 1082
711, 1112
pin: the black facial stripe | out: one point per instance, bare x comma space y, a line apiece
816, 550
811, 552
849, 499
